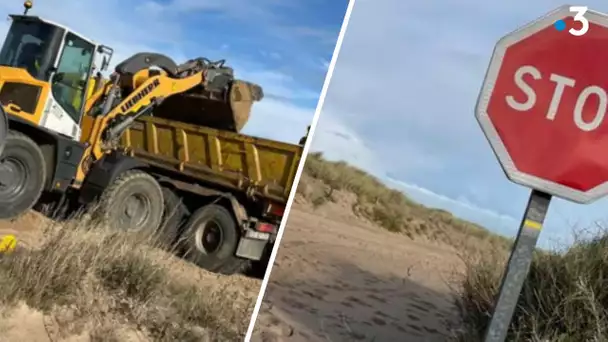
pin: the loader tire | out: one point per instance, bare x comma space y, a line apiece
210, 238
175, 213
23, 175
133, 202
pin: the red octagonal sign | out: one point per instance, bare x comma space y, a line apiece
543, 106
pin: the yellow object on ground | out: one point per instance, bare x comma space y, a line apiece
8, 243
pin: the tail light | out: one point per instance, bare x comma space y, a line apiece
265, 227
275, 209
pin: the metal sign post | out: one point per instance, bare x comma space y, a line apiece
518, 266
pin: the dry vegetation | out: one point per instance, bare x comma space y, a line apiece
389, 208
564, 297
106, 284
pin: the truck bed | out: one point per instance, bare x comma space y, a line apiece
256, 166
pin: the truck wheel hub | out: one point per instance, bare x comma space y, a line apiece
137, 209
13, 177
209, 237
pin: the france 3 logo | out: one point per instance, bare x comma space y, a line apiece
579, 16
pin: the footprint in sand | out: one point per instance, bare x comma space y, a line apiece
357, 301
377, 298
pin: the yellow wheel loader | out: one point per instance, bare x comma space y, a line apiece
44, 71
56, 135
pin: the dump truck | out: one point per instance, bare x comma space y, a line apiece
145, 159
224, 191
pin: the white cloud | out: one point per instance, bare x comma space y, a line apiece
461, 207
275, 83
338, 142
232, 7
279, 120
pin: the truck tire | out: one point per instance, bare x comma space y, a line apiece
133, 202
23, 175
175, 214
210, 239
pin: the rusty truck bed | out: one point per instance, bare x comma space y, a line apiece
259, 167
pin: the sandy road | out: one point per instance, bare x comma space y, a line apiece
338, 281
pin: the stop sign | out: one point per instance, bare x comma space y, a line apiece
543, 106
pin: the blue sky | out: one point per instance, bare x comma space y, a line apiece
285, 46
401, 105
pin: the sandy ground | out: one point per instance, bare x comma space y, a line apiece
22, 323
336, 279
12, 322
26, 228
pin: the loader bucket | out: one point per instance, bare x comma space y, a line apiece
3, 128
242, 96
220, 110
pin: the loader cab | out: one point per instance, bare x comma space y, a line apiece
58, 65
31, 44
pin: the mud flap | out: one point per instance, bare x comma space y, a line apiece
252, 245
3, 128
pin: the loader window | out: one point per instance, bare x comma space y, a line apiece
31, 45
73, 71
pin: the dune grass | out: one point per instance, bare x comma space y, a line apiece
387, 207
105, 279
565, 296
